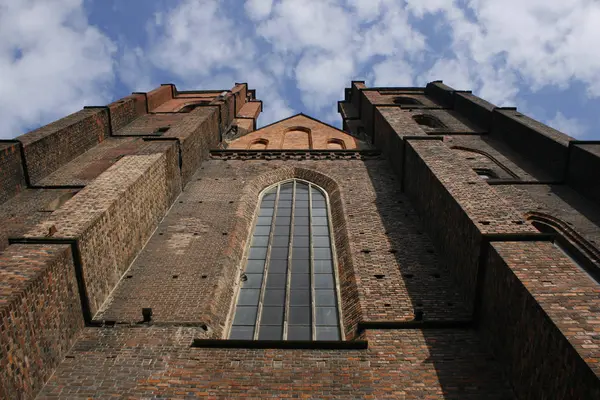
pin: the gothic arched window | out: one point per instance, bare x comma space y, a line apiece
289, 289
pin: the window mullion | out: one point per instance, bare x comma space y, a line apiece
286, 311
313, 318
267, 262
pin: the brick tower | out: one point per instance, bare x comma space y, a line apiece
164, 247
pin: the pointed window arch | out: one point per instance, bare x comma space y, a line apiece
290, 287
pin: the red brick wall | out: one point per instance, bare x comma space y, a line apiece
40, 315
12, 177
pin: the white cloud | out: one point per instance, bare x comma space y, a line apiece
570, 126
258, 9
52, 63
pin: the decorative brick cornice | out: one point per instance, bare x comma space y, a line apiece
295, 154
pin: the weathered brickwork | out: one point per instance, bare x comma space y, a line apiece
540, 317
48, 148
467, 239
40, 315
111, 219
158, 362
12, 177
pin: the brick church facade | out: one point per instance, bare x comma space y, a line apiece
436, 246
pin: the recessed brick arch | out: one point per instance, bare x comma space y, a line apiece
297, 137
247, 209
489, 157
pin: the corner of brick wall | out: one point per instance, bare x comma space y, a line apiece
124, 111
48, 148
584, 167
111, 219
12, 176
538, 318
40, 315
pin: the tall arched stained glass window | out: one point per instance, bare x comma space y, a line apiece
289, 289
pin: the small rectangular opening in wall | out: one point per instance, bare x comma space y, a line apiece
281, 344
58, 202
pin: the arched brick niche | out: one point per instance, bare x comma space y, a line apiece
406, 101
258, 144
569, 241
429, 122
479, 159
349, 296
186, 108
336, 144
297, 137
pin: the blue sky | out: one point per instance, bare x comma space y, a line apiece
57, 56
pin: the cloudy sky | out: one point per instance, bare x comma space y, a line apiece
539, 55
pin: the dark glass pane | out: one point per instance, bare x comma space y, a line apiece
321, 241
328, 333
323, 281
255, 267
253, 281
276, 281
319, 204
326, 316
299, 316
267, 204
242, 332
286, 187
316, 194
264, 221
274, 297
282, 230
277, 266
300, 281
301, 187
279, 253
258, 253
281, 241
319, 220
300, 253
270, 333
323, 266
300, 266
284, 212
245, 316
262, 230
319, 212
272, 316
325, 297
249, 297
300, 297
283, 221
322, 254
270, 196
301, 220
301, 204
285, 196
299, 333
320, 231
284, 204
301, 241
260, 241
302, 196
265, 212
300, 230
301, 212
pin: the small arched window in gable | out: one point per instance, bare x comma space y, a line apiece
258, 144
579, 250
429, 121
407, 101
191, 107
336, 144
289, 288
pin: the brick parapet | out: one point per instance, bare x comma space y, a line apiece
12, 176
583, 169
159, 96
111, 219
48, 148
124, 111
539, 317
40, 315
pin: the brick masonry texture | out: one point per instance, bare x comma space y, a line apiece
112, 218
505, 314
12, 177
158, 362
40, 315
48, 148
